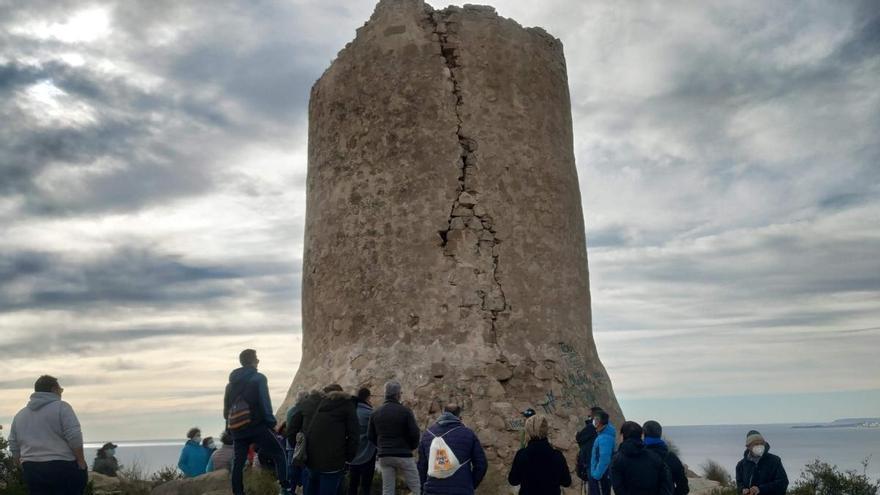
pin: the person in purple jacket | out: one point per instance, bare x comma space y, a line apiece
464, 445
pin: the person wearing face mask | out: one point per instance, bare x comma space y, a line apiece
222, 457
759, 471
600, 458
585, 440
209, 445
105, 460
193, 457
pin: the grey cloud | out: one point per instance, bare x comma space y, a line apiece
132, 275
64, 380
84, 341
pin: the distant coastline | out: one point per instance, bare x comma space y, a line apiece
846, 423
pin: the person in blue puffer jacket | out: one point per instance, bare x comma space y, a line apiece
600, 460
193, 457
464, 445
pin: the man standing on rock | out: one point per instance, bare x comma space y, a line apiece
394, 431
47, 442
759, 471
464, 445
247, 409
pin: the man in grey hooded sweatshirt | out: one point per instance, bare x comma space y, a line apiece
47, 441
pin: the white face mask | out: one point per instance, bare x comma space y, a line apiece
212, 445
758, 450
595, 423
197, 439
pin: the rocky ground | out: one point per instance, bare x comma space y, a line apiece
217, 483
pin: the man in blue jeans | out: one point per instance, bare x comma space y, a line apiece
251, 387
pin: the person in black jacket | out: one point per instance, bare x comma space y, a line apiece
759, 471
331, 441
654, 442
585, 440
539, 468
636, 470
393, 430
248, 384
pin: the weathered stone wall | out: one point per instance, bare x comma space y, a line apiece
444, 242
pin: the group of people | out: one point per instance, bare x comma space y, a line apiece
199, 456
328, 433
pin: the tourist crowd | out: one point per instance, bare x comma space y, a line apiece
328, 433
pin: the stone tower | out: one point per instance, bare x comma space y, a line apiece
444, 239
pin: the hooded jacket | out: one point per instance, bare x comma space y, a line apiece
539, 469
393, 429
47, 429
603, 448
766, 473
332, 435
366, 450
467, 449
676, 468
303, 415
250, 384
638, 471
193, 459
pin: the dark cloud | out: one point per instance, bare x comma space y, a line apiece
131, 276
82, 341
212, 93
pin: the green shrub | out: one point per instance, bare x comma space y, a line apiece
672, 447
260, 482
11, 482
165, 474
820, 478
716, 472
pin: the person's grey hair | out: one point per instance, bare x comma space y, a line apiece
392, 389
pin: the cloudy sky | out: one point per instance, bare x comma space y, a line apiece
152, 169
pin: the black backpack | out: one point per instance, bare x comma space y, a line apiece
582, 468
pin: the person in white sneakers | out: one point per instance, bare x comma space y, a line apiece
46, 440
451, 458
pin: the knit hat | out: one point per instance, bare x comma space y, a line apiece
753, 437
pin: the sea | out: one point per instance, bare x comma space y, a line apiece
847, 448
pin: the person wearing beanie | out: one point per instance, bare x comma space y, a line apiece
759, 471
637, 470
539, 468
655, 443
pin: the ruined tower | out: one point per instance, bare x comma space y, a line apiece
444, 239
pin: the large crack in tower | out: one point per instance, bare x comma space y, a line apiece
444, 242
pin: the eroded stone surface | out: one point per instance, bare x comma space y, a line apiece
444, 242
